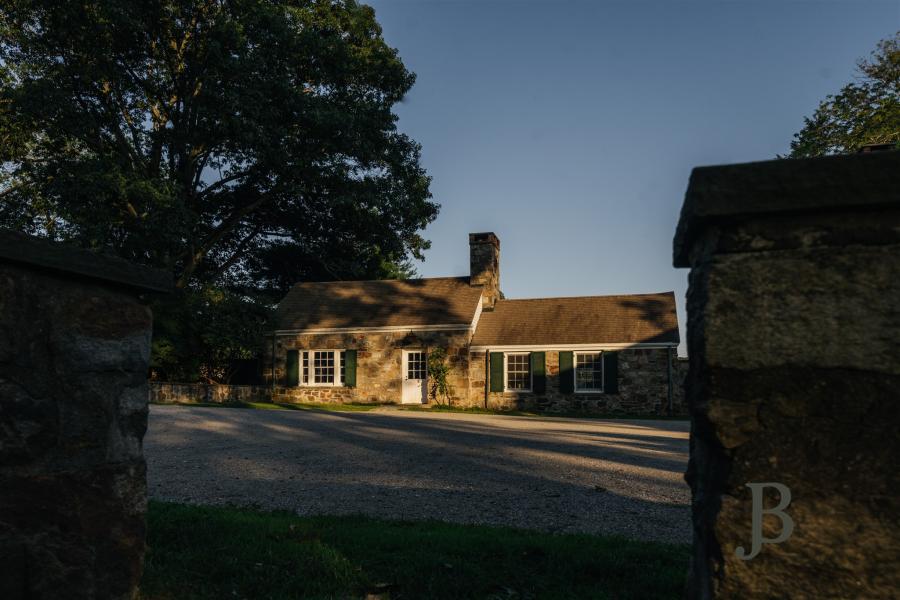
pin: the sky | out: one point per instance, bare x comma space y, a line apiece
570, 128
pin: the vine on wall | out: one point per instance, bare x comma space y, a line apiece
438, 369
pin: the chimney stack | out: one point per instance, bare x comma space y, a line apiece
484, 266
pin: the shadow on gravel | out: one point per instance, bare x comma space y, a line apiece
555, 476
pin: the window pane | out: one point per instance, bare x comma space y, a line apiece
305, 367
589, 371
518, 371
323, 367
415, 365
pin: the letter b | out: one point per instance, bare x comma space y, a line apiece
787, 523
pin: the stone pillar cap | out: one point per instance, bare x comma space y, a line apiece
842, 183
70, 260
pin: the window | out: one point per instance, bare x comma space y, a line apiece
322, 367
518, 372
588, 371
416, 364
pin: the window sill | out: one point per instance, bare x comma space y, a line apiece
321, 385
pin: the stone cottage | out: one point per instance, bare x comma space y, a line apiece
368, 341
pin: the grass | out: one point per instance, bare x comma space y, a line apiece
360, 407
328, 406
523, 413
197, 552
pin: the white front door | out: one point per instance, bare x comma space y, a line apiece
414, 376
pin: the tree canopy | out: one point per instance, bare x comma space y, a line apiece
243, 145
866, 111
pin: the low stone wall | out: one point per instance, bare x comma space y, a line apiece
188, 393
793, 322
74, 353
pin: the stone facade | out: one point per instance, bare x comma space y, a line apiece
643, 376
74, 355
379, 364
643, 387
793, 321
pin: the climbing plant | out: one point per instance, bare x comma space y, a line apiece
438, 369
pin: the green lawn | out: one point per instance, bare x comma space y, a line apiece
205, 552
360, 407
524, 413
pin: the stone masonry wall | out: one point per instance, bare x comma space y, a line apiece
643, 388
793, 322
379, 364
484, 265
74, 356
186, 393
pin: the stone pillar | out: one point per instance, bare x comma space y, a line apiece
74, 357
484, 265
794, 346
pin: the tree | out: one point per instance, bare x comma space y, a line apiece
866, 111
240, 144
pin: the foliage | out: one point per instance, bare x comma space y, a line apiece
206, 552
242, 145
866, 111
200, 333
438, 370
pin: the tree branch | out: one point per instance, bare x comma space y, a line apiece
238, 251
225, 227
223, 181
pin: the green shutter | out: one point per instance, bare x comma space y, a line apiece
292, 368
496, 371
538, 376
611, 372
350, 368
566, 374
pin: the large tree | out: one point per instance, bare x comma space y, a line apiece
866, 111
243, 145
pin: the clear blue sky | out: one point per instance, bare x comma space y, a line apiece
570, 128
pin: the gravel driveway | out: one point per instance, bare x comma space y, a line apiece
560, 475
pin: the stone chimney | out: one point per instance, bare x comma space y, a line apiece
484, 265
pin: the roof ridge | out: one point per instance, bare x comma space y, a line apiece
584, 297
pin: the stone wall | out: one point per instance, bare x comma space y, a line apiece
679, 376
793, 322
74, 354
643, 387
379, 364
187, 393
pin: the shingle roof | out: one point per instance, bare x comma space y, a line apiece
627, 319
382, 303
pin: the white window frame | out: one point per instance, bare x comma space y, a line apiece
506, 387
338, 376
575, 372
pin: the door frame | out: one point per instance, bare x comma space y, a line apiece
404, 365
